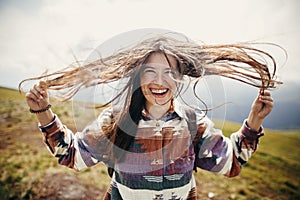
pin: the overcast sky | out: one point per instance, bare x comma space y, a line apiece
36, 35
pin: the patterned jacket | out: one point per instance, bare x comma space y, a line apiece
160, 161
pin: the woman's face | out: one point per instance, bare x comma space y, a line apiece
157, 79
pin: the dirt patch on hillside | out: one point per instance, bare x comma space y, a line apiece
60, 186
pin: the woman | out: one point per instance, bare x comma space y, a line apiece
153, 142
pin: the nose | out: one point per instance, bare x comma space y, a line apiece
159, 79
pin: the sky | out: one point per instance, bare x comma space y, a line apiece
40, 35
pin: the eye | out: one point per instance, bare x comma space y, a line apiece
149, 70
171, 72
168, 71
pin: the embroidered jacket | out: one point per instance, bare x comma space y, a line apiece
160, 161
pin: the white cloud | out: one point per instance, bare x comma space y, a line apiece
39, 36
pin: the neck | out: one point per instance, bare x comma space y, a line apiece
158, 111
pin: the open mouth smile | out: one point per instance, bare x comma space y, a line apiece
159, 92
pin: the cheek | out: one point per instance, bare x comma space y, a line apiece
145, 79
144, 89
143, 82
172, 86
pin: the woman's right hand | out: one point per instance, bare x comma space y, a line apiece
37, 98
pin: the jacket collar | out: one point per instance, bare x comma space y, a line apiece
178, 111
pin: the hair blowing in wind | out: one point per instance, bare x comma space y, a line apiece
241, 62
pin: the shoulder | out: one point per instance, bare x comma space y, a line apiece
109, 114
105, 117
197, 116
202, 118
195, 113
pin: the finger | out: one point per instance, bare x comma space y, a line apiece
40, 91
266, 93
268, 103
261, 91
266, 98
31, 96
44, 87
34, 92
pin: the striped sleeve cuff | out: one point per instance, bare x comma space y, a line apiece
251, 134
52, 127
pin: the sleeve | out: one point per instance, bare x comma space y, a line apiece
220, 154
82, 149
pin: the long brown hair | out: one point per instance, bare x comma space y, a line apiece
241, 62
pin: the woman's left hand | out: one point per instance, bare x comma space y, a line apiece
261, 107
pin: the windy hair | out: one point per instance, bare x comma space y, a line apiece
240, 62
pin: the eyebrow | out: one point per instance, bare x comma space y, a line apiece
150, 66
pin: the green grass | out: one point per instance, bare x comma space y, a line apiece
28, 171
272, 173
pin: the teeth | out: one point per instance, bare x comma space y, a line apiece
158, 91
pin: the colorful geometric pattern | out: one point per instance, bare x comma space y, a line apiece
161, 159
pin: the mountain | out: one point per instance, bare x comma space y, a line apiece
230, 100
286, 111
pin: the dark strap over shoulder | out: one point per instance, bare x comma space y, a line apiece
192, 125
191, 121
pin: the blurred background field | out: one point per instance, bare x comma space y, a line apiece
28, 171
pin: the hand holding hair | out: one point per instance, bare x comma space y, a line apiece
37, 98
38, 101
261, 107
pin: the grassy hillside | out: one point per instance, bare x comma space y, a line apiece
28, 171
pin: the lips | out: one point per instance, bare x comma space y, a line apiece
159, 92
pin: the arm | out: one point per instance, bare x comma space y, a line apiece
77, 151
220, 154
245, 141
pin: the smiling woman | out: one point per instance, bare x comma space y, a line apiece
158, 84
153, 142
